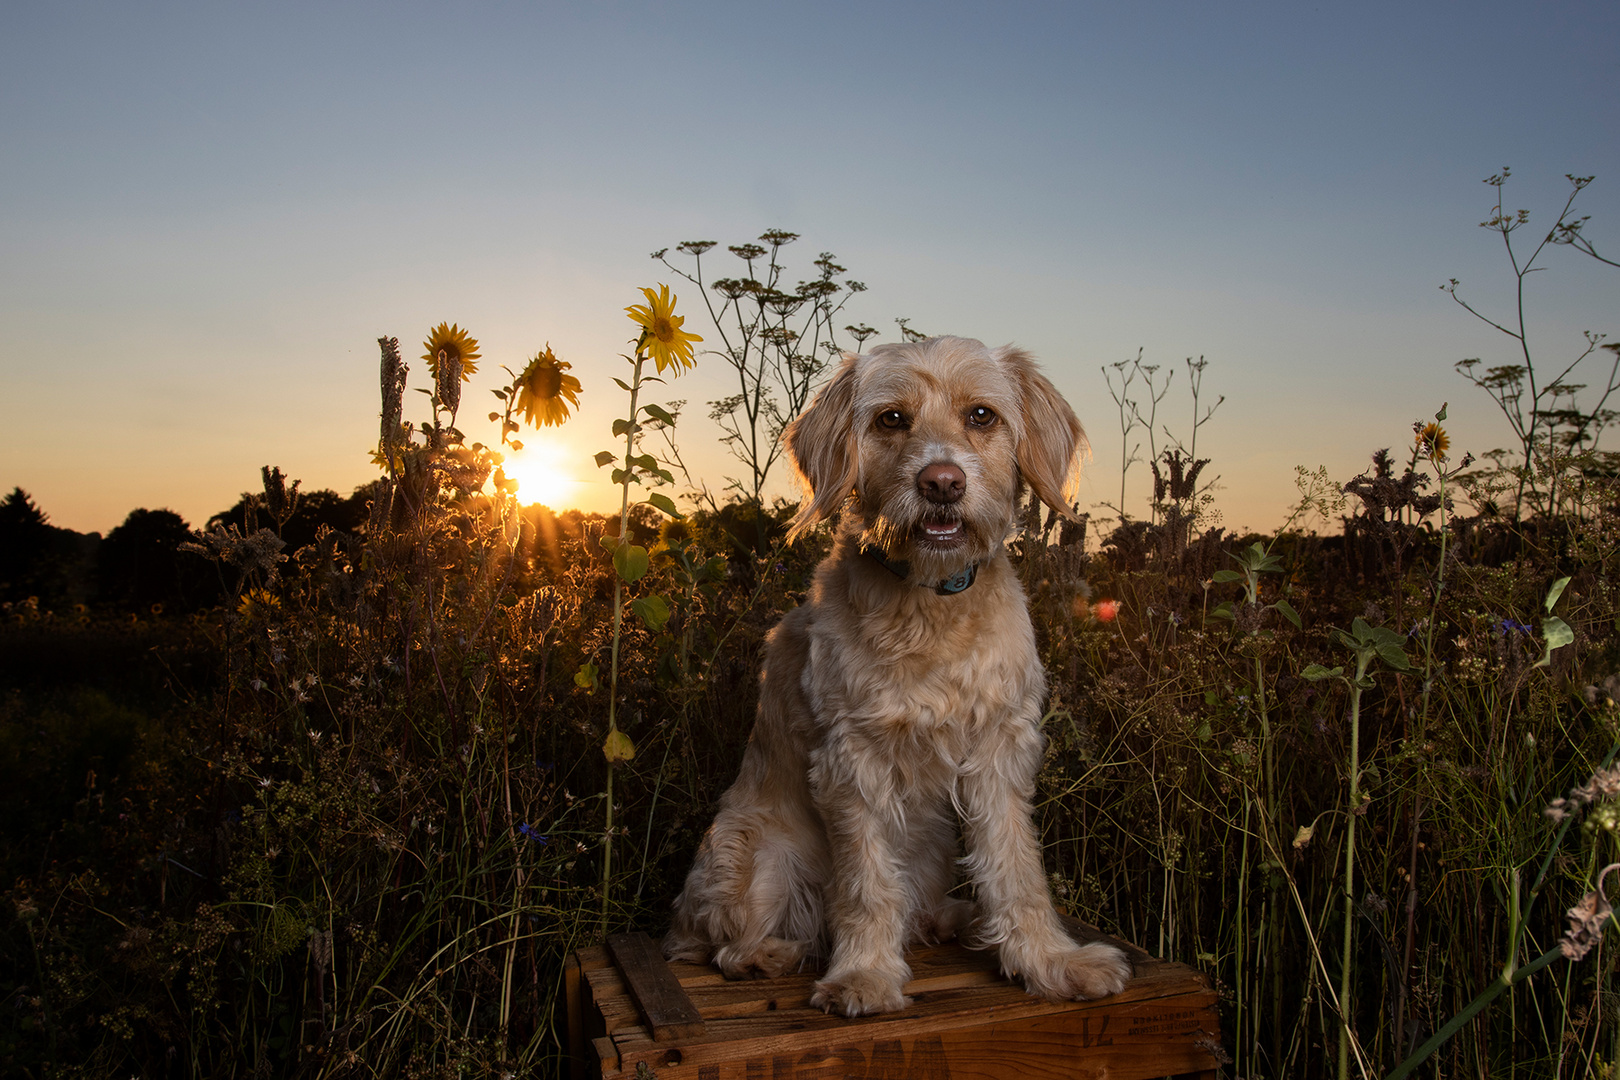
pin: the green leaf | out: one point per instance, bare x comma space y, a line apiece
622, 426
1289, 613
630, 560
664, 503
605, 457
1558, 634
585, 677
653, 610
623, 385
1555, 592
1394, 656
494, 416
1316, 673
659, 413
1222, 611
645, 461
1224, 576
620, 476
500, 394
618, 747
1441, 415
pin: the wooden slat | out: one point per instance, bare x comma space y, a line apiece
1016, 1040
664, 1005
607, 1053
576, 1015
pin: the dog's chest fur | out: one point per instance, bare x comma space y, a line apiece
920, 679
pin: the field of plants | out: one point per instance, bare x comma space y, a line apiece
331, 786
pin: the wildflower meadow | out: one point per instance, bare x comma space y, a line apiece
331, 785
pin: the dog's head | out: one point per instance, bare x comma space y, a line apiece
930, 443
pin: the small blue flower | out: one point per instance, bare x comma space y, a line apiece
529, 832
1505, 625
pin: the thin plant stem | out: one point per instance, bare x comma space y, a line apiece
1434, 608
1362, 661
618, 622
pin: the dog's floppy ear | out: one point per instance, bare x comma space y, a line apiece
821, 443
1050, 439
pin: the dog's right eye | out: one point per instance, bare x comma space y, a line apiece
894, 419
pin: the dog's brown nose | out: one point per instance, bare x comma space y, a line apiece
941, 482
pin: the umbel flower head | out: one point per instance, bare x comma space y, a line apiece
456, 344
662, 336
546, 391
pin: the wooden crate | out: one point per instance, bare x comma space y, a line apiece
631, 1015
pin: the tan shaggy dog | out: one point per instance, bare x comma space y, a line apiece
903, 699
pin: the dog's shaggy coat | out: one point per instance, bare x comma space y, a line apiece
891, 709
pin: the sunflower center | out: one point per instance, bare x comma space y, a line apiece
548, 382
663, 329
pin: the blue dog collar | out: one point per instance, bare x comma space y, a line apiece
958, 582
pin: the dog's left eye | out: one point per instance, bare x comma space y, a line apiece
981, 416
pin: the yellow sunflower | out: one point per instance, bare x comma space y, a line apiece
663, 338
546, 390
455, 342
258, 602
1433, 442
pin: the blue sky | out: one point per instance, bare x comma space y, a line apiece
208, 213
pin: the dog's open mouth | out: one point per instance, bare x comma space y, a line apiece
942, 535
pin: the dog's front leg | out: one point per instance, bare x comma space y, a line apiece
1004, 860
867, 903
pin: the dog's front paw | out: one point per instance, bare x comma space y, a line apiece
1086, 971
768, 959
859, 993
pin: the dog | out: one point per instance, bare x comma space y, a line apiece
901, 703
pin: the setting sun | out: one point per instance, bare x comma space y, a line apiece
544, 471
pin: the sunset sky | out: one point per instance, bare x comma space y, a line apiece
210, 212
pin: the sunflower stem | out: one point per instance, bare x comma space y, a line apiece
618, 619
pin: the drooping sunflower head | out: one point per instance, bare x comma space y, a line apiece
1433, 442
662, 336
456, 344
546, 392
